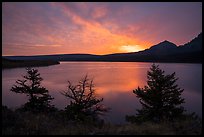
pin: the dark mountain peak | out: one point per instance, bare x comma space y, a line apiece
200, 35
194, 44
166, 43
163, 45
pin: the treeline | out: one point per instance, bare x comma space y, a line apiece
7, 63
161, 111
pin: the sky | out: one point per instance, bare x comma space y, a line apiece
43, 28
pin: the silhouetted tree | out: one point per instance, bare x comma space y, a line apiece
84, 103
160, 99
39, 99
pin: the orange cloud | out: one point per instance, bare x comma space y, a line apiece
99, 12
97, 37
95, 28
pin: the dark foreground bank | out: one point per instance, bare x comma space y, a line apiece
55, 123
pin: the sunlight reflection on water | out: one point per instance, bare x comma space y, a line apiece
114, 81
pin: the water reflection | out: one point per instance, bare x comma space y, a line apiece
114, 81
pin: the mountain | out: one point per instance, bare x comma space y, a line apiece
165, 51
193, 45
164, 47
190, 52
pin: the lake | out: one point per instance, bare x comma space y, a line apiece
114, 81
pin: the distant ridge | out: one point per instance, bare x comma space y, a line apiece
165, 51
164, 45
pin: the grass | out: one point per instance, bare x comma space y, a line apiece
27, 123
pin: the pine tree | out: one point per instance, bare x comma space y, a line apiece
160, 99
39, 99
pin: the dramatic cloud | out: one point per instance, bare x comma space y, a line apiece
30, 28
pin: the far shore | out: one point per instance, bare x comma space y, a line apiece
132, 61
8, 64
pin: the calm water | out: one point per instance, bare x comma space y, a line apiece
114, 81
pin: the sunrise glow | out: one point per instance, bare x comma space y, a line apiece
95, 28
130, 48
